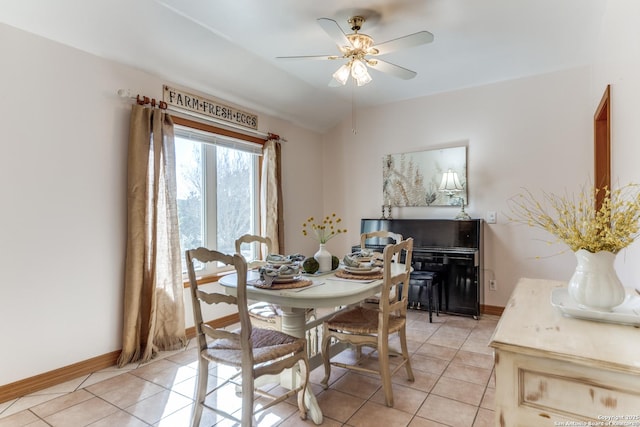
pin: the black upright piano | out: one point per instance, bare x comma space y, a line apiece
450, 248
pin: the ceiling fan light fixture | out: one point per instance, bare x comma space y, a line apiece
359, 72
342, 74
364, 80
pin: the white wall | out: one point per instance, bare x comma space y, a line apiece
533, 133
62, 178
63, 216
618, 64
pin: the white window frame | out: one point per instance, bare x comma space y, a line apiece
211, 141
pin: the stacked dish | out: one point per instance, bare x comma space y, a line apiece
280, 269
354, 263
370, 269
363, 255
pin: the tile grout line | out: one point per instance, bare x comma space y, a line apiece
448, 362
444, 370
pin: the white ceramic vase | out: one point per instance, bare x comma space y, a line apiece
324, 259
595, 284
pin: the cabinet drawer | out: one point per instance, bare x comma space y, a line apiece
580, 397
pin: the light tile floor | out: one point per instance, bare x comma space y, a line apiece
454, 386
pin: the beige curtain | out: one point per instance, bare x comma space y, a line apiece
271, 196
153, 293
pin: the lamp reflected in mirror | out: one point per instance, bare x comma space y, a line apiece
451, 185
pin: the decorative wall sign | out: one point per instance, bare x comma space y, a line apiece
209, 107
413, 179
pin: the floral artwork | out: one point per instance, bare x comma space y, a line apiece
413, 179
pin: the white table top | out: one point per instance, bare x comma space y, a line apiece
530, 324
326, 291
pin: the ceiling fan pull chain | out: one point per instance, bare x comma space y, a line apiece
354, 127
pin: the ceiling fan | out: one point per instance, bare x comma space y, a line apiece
360, 52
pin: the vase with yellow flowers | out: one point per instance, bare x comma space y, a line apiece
595, 225
323, 231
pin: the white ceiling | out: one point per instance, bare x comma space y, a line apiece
227, 48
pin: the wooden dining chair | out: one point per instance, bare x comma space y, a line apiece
264, 314
264, 248
255, 352
380, 234
371, 326
425, 281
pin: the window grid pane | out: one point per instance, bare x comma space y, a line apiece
189, 183
235, 204
217, 195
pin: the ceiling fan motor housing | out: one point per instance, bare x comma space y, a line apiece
356, 22
360, 46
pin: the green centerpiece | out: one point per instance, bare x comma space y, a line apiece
323, 232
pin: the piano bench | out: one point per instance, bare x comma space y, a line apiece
421, 283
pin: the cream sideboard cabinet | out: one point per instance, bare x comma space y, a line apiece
553, 370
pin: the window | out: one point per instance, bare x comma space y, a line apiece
217, 186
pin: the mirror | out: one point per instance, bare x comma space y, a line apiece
414, 179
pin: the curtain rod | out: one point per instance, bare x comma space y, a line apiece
143, 100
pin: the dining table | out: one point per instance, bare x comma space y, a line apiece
325, 291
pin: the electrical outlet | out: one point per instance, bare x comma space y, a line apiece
493, 286
491, 217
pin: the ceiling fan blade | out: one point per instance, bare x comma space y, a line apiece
415, 39
393, 69
317, 57
334, 31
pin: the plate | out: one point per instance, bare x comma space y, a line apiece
362, 270
279, 263
627, 313
318, 273
286, 278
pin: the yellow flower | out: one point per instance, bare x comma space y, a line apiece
324, 231
578, 223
